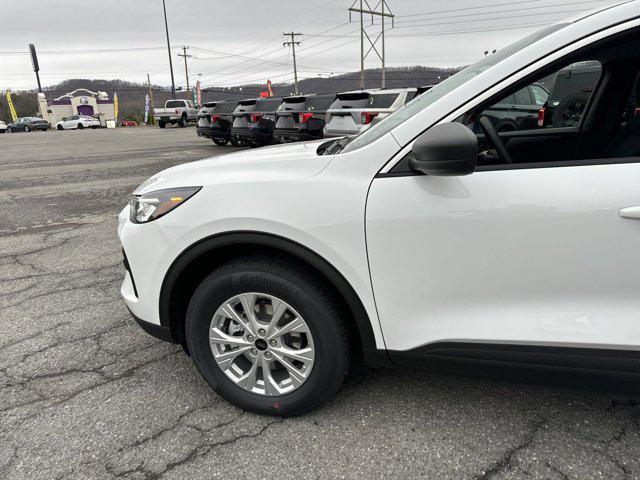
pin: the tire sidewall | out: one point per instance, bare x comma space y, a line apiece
329, 358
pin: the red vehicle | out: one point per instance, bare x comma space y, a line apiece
128, 123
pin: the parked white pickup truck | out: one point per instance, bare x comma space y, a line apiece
176, 111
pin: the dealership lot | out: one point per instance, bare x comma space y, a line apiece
84, 393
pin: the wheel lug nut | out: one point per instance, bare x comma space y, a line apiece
262, 332
273, 343
267, 355
254, 351
249, 338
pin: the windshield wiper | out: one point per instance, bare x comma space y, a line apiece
337, 146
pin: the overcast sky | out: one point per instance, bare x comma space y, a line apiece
240, 41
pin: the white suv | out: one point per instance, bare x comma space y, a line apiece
352, 112
429, 236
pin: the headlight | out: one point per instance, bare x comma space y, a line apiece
153, 205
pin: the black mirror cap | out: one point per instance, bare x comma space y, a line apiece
448, 149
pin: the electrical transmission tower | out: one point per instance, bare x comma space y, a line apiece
384, 12
293, 44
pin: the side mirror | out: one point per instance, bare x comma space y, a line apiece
447, 149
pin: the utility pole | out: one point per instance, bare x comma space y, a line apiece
186, 68
166, 27
151, 105
384, 12
293, 44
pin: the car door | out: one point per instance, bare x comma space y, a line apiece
541, 253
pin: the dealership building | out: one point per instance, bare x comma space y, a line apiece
78, 102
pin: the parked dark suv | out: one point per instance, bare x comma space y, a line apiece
569, 94
254, 121
27, 124
302, 117
215, 121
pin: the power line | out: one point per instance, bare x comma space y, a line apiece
490, 19
503, 4
476, 14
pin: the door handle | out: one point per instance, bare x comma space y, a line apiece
631, 213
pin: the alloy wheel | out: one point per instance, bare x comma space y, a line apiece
262, 344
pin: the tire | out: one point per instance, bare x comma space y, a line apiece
60, 127
80, 126
304, 293
161, 124
182, 122
220, 141
26, 128
234, 141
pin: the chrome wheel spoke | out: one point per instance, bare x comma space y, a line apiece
278, 307
248, 301
297, 377
231, 313
293, 326
225, 359
304, 355
249, 380
270, 388
221, 338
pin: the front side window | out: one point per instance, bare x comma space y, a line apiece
563, 105
583, 113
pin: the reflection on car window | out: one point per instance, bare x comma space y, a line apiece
540, 95
523, 97
563, 105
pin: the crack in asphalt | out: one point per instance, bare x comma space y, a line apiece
203, 450
505, 461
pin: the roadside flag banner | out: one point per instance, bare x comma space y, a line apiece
115, 106
193, 96
14, 116
198, 94
269, 88
146, 108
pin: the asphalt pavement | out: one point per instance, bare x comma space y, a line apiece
84, 393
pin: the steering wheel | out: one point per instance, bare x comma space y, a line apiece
493, 137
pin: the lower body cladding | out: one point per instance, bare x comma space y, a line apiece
294, 135
252, 137
219, 136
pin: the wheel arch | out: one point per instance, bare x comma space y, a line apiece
200, 259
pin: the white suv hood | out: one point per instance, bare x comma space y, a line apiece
280, 162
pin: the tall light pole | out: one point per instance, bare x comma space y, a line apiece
166, 27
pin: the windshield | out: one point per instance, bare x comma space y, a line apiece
440, 90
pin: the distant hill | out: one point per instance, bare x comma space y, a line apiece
131, 95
